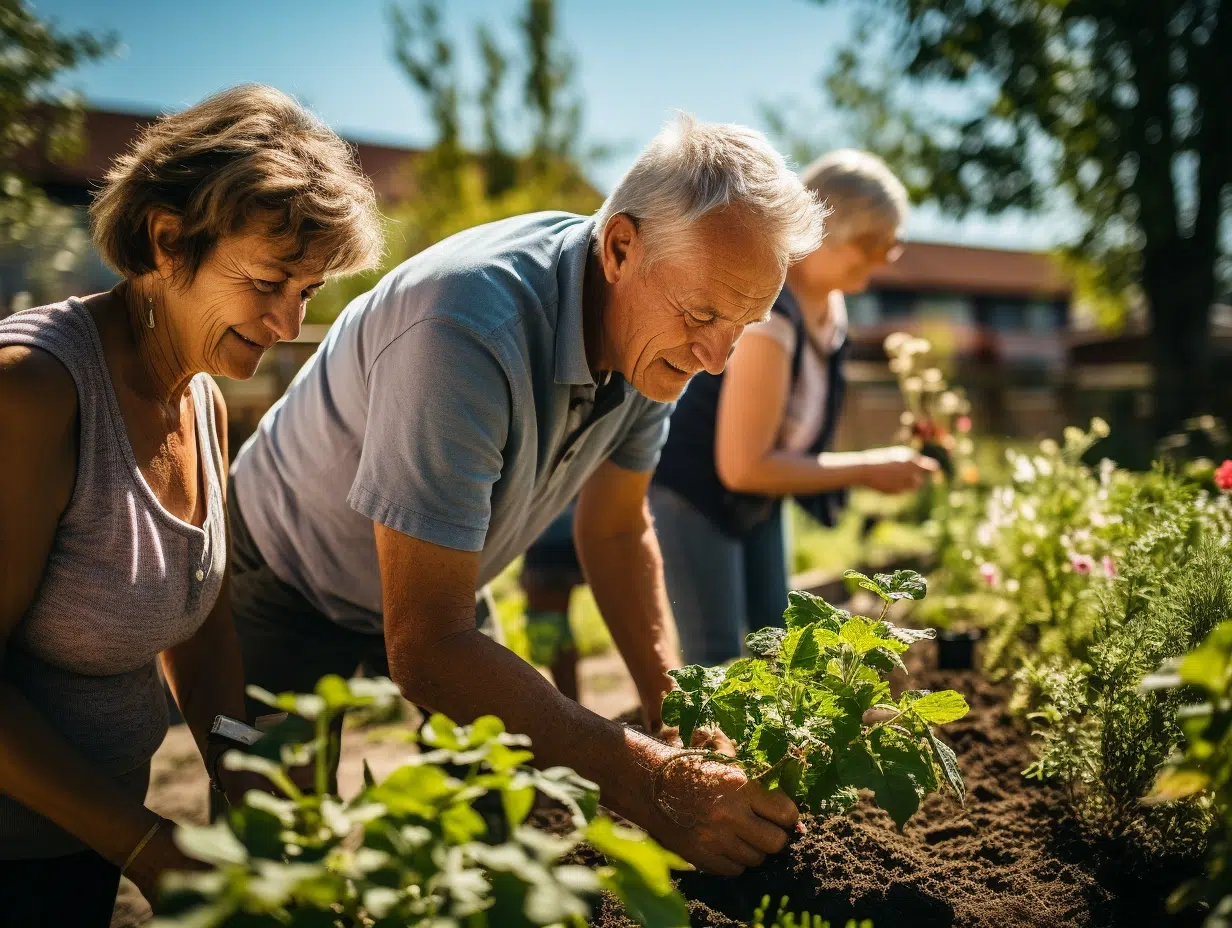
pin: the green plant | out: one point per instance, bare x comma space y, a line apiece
796, 708
786, 919
1203, 771
421, 847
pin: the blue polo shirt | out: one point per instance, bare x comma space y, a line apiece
452, 403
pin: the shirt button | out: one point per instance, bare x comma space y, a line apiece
200, 575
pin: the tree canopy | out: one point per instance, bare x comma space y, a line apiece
1119, 108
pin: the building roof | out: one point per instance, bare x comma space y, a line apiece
962, 269
108, 134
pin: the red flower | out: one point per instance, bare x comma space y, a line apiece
1223, 475
963, 424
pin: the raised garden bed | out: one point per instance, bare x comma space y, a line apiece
1012, 857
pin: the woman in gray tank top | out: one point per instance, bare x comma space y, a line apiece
222, 221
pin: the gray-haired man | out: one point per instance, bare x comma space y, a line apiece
456, 408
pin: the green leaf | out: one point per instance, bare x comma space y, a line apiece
567, 786
689, 707
804, 608
620, 844
213, 844
441, 732
460, 824
518, 802
800, 649
902, 584
940, 708
868, 583
947, 760
858, 632
766, 642
909, 636
417, 790
730, 708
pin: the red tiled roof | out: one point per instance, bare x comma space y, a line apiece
108, 134
939, 268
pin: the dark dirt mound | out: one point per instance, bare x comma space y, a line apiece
1013, 857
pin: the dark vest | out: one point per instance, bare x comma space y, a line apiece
687, 465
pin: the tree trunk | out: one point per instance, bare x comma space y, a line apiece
1179, 293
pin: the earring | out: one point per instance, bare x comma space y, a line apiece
150, 318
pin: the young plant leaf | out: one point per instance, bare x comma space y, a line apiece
804, 608
766, 642
947, 760
940, 708
902, 584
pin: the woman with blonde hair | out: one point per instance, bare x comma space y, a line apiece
743, 440
222, 221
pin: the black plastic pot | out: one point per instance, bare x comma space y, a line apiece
956, 649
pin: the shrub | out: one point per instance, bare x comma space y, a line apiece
412, 849
796, 708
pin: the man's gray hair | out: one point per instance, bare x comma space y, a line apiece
691, 169
862, 193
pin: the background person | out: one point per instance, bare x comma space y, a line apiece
744, 439
222, 220
456, 409
551, 572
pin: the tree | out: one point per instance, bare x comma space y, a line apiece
35, 116
1120, 106
457, 188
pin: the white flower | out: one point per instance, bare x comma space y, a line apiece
900, 365
932, 375
906, 418
895, 341
1049, 447
1028, 550
966, 446
1099, 428
913, 384
1073, 436
1043, 466
1023, 471
985, 534
1011, 585
948, 403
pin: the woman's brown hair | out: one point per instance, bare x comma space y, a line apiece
247, 155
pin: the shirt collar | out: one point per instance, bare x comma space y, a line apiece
571, 364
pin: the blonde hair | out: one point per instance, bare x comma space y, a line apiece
691, 169
862, 192
249, 155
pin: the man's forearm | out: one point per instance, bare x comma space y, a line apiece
468, 675
625, 573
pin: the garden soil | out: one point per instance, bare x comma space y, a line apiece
1012, 857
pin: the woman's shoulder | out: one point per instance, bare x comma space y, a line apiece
778, 327
38, 415
35, 386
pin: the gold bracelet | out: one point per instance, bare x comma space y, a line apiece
141, 844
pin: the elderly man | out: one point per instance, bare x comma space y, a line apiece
457, 408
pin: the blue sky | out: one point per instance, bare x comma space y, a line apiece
636, 61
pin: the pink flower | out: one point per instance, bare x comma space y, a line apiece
1223, 476
1109, 566
1082, 563
991, 574
963, 424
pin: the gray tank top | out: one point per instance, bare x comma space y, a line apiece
125, 580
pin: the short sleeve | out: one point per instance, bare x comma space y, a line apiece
639, 449
439, 407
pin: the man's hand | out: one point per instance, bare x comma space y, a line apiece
718, 819
896, 470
